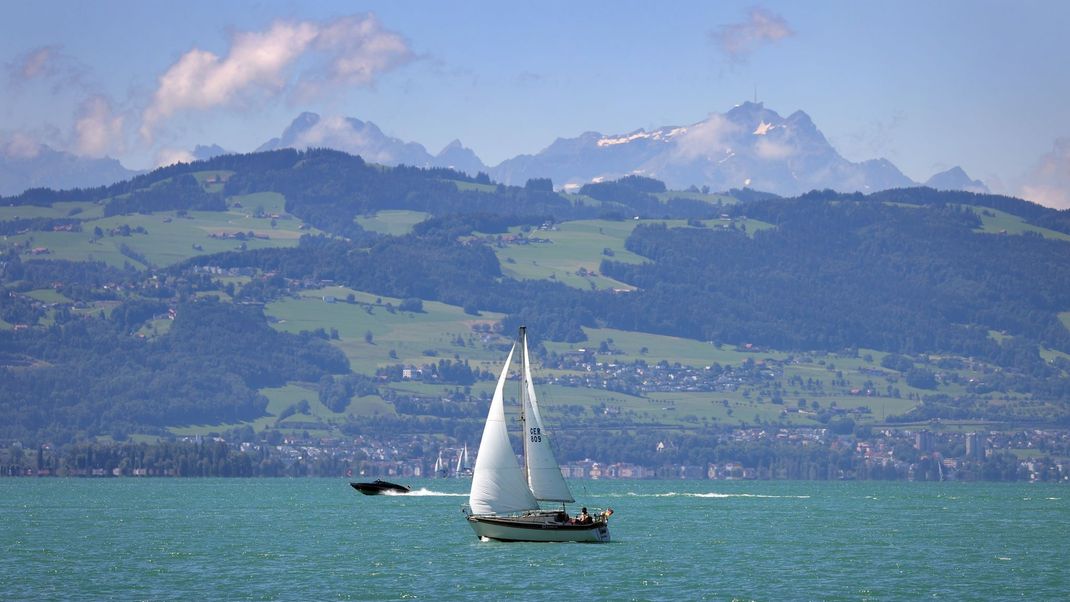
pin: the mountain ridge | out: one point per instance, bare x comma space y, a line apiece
749, 146
50, 168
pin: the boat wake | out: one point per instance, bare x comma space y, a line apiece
718, 495
424, 492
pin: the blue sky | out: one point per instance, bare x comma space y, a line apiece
928, 85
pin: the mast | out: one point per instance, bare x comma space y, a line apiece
522, 339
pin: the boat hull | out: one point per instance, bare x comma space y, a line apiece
537, 528
380, 488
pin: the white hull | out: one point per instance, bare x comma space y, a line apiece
540, 527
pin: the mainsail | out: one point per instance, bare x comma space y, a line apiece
498, 485
544, 473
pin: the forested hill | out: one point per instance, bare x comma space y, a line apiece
840, 274
912, 272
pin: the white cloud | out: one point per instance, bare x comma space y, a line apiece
771, 150
98, 131
339, 133
335, 132
35, 63
49, 64
707, 138
360, 49
738, 40
1048, 183
170, 156
349, 51
202, 80
19, 145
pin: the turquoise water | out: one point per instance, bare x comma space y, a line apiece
318, 539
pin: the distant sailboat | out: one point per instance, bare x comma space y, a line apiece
504, 501
463, 468
441, 469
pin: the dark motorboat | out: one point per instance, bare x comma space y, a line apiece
378, 487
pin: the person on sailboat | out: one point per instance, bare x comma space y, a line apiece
584, 518
606, 514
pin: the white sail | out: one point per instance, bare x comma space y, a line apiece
438, 464
544, 473
498, 485
462, 460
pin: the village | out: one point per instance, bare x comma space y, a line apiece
889, 454
1033, 455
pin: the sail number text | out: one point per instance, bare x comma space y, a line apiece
536, 434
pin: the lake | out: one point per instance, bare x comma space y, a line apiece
318, 539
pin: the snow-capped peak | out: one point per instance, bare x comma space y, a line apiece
662, 134
622, 139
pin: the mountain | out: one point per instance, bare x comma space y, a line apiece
749, 146
202, 152
956, 179
364, 138
48, 168
457, 156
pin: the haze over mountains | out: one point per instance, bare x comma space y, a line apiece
748, 146
44, 167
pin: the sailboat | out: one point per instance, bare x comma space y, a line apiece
441, 469
463, 468
504, 500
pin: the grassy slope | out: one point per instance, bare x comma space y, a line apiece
395, 223
581, 245
698, 196
574, 245
170, 238
84, 211
1001, 222
439, 331
419, 338
408, 334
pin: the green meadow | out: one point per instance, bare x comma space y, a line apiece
168, 238
628, 346
712, 199
573, 252
78, 210
414, 337
393, 222
999, 222
445, 332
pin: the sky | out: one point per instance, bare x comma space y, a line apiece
928, 85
